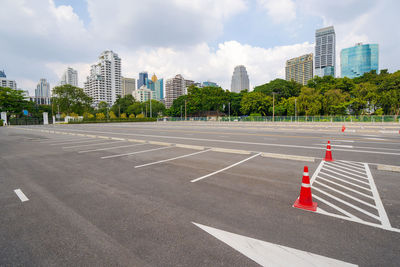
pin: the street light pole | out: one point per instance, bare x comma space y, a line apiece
185, 111
151, 115
229, 110
181, 112
273, 106
295, 109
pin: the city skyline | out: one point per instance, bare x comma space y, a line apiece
255, 33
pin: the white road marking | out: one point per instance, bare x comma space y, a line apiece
137, 152
345, 187
224, 169
166, 160
107, 143
345, 141
335, 207
21, 195
108, 148
330, 169
269, 254
344, 181
373, 138
54, 140
348, 165
349, 170
73, 142
238, 142
332, 145
66, 140
355, 163
381, 210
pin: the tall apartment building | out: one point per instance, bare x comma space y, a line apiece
128, 86
240, 79
104, 81
42, 93
299, 69
70, 76
4, 82
325, 47
356, 60
143, 77
174, 88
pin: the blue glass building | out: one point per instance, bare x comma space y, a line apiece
361, 58
143, 77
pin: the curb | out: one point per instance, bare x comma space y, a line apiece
382, 167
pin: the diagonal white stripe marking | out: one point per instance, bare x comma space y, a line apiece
348, 177
357, 164
345, 187
166, 160
335, 207
269, 254
342, 164
344, 181
224, 169
21, 195
137, 152
346, 168
381, 209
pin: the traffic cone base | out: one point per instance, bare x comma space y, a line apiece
312, 207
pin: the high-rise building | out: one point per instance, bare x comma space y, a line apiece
70, 76
299, 69
361, 58
143, 94
156, 85
104, 81
210, 84
143, 77
174, 88
4, 82
128, 86
325, 47
42, 93
240, 79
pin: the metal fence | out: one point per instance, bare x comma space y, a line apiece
28, 121
361, 118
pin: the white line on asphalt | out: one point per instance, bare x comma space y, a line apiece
21, 195
224, 169
137, 152
344, 141
381, 210
347, 203
345, 187
341, 164
349, 171
270, 254
108, 148
331, 168
165, 160
66, 140
73, 142
54, 140
344, 181
373, 138
318, 170
354, 163
107, 143
336, 207
346, 195
324, 145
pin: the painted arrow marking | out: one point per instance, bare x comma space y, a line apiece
269, 254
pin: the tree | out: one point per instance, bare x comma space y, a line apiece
310, 101
281, 87
156, 108
70, 99
102, 107
335, 102
135, 108
255, 102
122, 103
12, 100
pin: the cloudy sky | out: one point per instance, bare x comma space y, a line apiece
200, 39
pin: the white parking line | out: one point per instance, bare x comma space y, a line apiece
137, 152
21, 195
224, 169
166, 160
62, 140
108, 148
73, 142
349, 171
107, 143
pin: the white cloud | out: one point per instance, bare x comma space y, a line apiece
280, 11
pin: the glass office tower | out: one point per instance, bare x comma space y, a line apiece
356, 60
325, 47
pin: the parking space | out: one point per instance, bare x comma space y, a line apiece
198, 200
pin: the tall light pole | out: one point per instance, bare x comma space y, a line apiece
295, 109
229, 110
185, 111
151, 115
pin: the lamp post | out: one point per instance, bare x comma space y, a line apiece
229, 110
273, 106
295, 109
185, 111
151, 115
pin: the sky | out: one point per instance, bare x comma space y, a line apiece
200, 39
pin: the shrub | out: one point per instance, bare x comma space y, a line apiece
100, 116
140, 116
131, 116
123, 116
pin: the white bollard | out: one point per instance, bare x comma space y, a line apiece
45, 118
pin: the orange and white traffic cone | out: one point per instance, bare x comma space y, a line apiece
305, 199
328, 154
343, 128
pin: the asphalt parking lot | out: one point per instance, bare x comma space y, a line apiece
198, 194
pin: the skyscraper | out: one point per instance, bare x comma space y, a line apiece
156, 85
4, 82
42, 93
104, 81
325, 47
240, 79
143, 77
356, 60
174, 88
299, 69
128, 86
70, 76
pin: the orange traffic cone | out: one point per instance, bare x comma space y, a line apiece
305, 199
328, 154
343, 128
